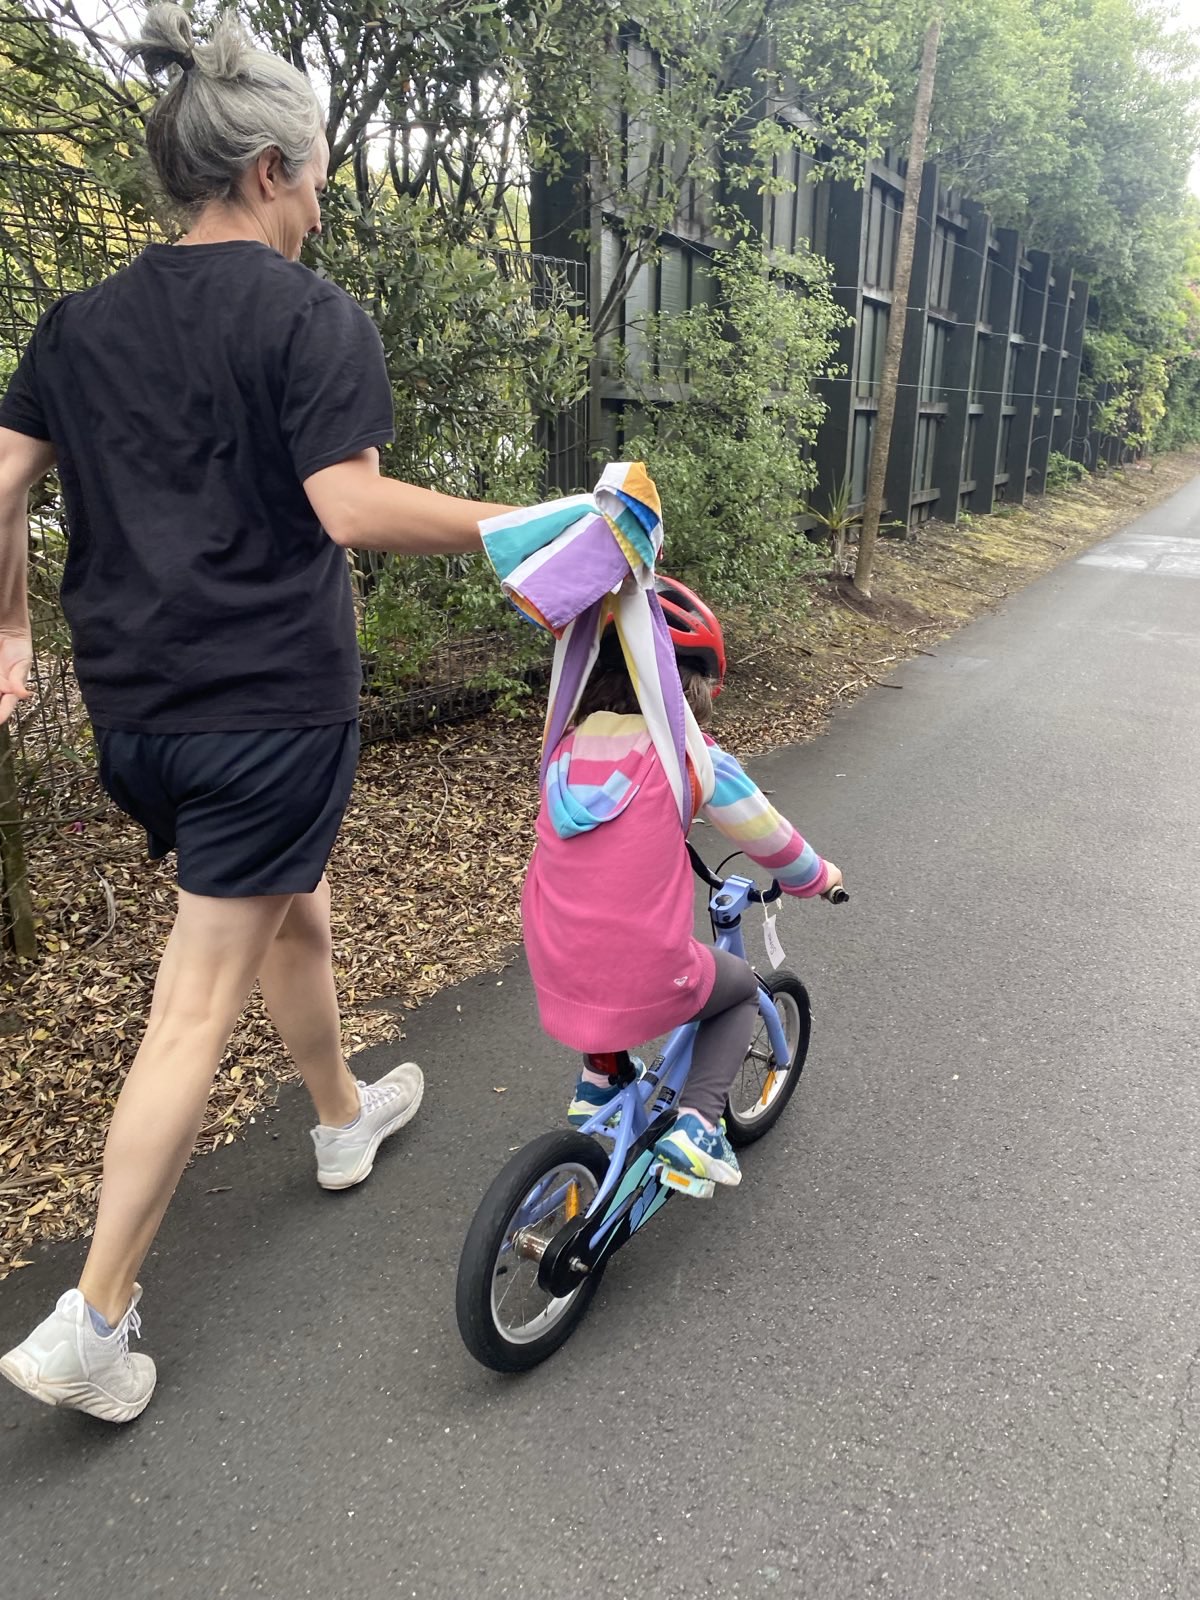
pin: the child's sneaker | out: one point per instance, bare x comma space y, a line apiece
65, 1362
591, 1098
692, 1149
345, 1156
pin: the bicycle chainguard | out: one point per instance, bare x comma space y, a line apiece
685, 1183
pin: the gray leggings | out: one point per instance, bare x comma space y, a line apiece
723, 1037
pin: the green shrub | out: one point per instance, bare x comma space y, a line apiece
725, 421
1061, 472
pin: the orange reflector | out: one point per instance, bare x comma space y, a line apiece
679, 1178
767, 1087
572, 1202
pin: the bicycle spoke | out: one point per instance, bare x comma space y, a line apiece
513, 1283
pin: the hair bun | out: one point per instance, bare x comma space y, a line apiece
165, 42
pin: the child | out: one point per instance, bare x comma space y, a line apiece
608, 901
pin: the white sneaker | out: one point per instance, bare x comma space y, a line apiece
65, 1362
345, 1156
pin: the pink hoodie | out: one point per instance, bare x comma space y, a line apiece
609, 899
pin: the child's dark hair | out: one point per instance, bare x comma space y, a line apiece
610, 687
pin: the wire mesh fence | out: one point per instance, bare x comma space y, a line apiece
61, 230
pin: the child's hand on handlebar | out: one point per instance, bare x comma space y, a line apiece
835, 888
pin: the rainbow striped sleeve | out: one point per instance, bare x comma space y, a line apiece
747, 818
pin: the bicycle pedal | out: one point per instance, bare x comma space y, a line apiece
694, 1188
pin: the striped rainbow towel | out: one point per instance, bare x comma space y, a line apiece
568, 565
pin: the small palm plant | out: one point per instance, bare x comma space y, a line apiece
837, 519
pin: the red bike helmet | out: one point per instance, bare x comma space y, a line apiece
695, 631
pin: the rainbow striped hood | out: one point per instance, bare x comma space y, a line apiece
596, 771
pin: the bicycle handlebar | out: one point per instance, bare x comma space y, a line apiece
837, 896
701, 868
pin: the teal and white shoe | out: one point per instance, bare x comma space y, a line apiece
591, 1098
701, 1156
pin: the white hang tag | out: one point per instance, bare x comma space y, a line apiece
775, 952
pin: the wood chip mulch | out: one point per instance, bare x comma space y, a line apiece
428, 869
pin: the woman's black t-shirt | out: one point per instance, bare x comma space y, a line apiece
188, 397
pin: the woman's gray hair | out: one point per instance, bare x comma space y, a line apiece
227, 104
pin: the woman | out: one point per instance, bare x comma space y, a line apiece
215, 412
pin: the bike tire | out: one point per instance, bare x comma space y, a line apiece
475, 1305
743, 1130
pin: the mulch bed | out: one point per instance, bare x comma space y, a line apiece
428, 869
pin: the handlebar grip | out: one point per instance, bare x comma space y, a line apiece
837, 896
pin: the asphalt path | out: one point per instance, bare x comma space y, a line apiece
944, 1339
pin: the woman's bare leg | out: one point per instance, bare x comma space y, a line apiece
208, 967
296, 978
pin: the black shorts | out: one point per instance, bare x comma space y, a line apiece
246, 813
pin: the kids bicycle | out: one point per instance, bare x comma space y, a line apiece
564, 1205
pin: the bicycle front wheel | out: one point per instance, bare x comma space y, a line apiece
507, 1320
763, 1086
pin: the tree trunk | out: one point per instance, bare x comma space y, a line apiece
890, 375
16, 904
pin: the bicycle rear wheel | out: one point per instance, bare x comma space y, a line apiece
763, 1086
507, 1320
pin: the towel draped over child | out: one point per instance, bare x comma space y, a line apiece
608, 906
571, 564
